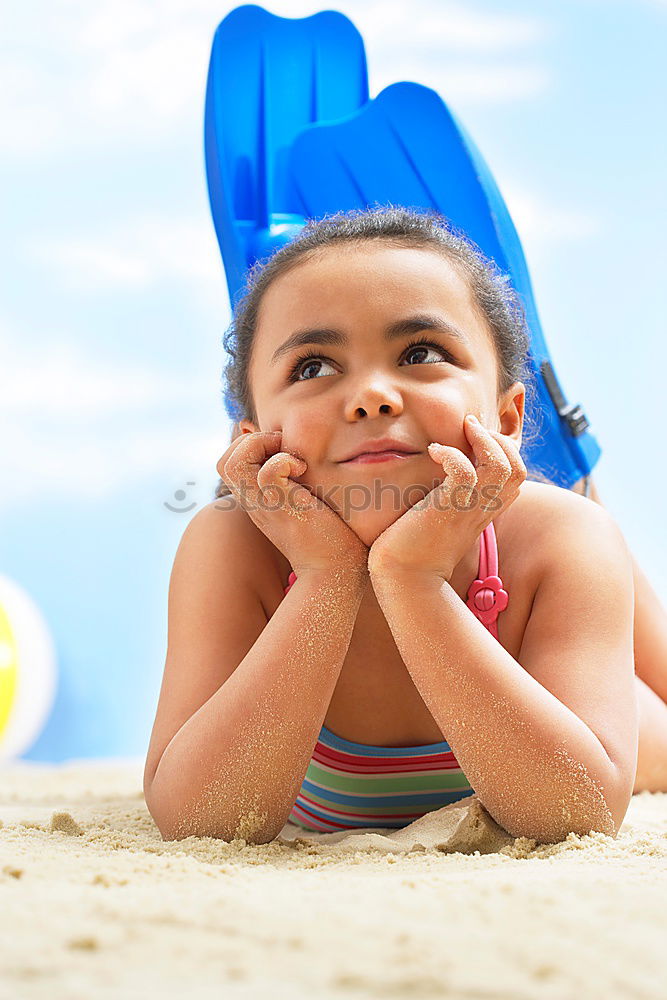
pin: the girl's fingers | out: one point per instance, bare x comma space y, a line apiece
493, 463
276, 485
453, 462
519, 471
240, 441
245, 459
276, 470
460, 472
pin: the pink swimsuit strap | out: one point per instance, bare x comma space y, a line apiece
486, 596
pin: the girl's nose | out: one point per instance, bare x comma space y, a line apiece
373, 398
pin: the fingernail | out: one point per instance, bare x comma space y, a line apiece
472, 418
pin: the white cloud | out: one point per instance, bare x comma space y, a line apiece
99, 74
445, 26
90, 467
95, 75
62, 382
90, 430
539, 220
133, 254
462, 86
31, 122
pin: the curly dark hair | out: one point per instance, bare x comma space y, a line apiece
395, 226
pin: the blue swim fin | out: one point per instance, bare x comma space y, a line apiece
270, 77
289, 133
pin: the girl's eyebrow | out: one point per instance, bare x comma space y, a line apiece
402, 327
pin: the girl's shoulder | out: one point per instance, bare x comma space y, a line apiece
546, 500
559, 543
264, 566
546, 519
539, 501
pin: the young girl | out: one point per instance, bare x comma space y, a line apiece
383, 613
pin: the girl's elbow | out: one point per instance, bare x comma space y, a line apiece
555, 831
555, 825
605, 814
606, 805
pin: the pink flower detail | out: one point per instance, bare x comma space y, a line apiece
486, 598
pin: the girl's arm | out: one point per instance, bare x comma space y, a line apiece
234, 767
548, 741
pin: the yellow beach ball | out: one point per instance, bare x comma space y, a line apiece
27, 670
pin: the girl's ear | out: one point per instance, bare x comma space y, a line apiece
512, 409
243, 427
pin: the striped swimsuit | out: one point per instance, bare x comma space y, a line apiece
350, 785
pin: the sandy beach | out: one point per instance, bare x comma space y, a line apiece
95, 904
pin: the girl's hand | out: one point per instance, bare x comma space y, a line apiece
305, 529
434, 535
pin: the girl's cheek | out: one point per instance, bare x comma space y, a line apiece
447, 428
305, 434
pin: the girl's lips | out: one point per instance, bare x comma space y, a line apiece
378, 456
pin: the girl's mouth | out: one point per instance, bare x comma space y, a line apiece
379, 456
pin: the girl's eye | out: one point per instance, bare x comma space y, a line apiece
295, 371
430, 344
299, 364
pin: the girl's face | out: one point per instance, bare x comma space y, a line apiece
358, 309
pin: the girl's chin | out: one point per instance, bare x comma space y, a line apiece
369, 511
369, 525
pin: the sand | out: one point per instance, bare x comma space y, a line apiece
93, 903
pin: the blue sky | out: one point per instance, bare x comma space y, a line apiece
114, 301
